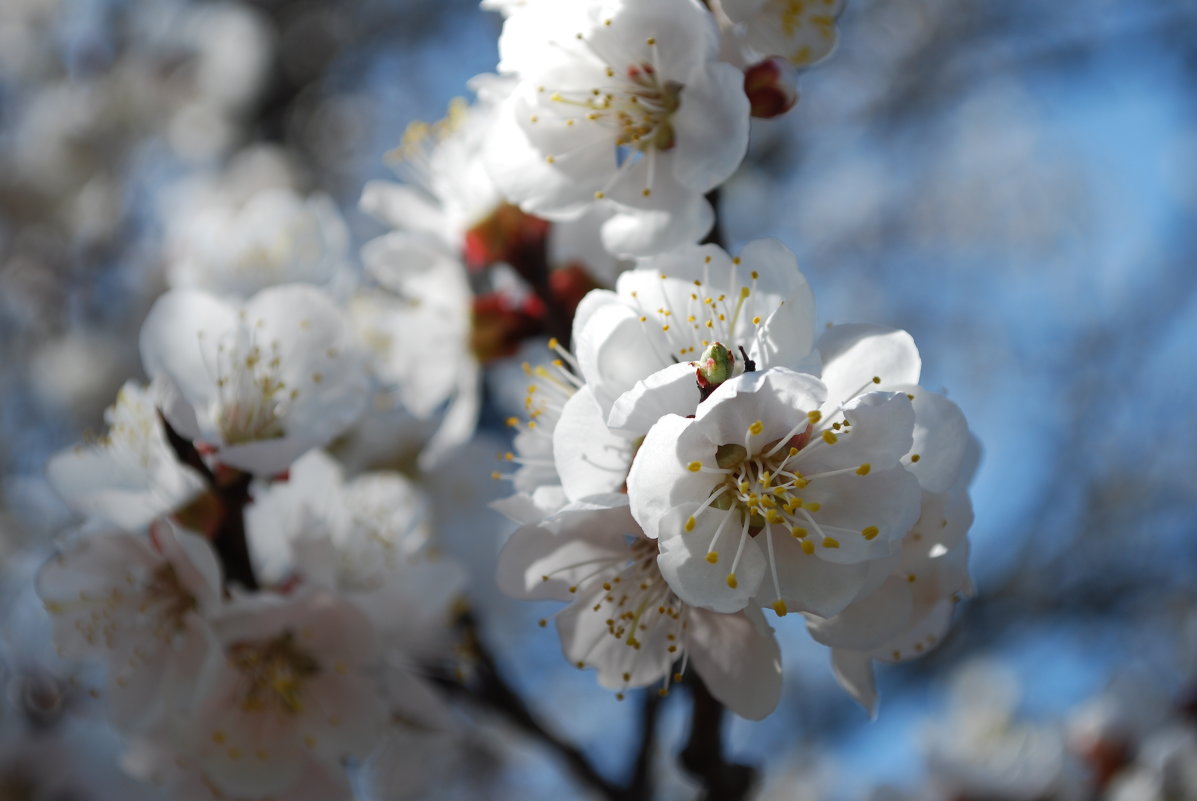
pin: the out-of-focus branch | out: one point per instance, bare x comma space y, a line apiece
485, 686
232, 496
703, 755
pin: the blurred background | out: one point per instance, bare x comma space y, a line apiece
1014, 183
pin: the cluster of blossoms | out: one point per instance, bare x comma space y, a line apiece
671, 490
268, 602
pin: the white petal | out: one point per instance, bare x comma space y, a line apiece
853, 355
854, 672
590, 458
941, 438
869, 622
738, 659
697, 581
673, 390
712, 128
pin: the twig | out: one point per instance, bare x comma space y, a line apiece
487, 687
232, 495
703, 755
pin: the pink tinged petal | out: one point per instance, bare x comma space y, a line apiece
869, 622
811, 584
697, 579
854, 672
673, 390
712, 128
941, 439
853, 355
335, 630
635, 659
852, 506
645, 231
590, 458
660, 477
178, 341
738, 659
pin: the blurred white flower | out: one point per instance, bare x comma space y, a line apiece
262, 383
801, 31
293, 692
131, 475
275, 237
143, 604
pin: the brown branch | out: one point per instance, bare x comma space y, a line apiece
703, 755
487, 687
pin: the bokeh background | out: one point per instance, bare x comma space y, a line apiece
1015, 183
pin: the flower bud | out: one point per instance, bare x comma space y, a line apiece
714, 367
771, 88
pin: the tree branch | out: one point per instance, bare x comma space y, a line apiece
703, 755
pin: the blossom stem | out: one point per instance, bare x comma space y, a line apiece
228, 539
703, 755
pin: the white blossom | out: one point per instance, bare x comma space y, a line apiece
293, 693
625, 621
142, 603
622, 102
130, 476
801, 31
261, 383
275, 237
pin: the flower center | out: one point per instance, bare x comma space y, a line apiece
253, 396
275, 672
764, 485
691, 319
638, 606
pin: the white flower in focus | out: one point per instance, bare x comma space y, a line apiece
801, 31
130, 476
671, 307
293, 692
142, 604
623, 618
262, 383
624, 102
911, 611
276, 237
772, 491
